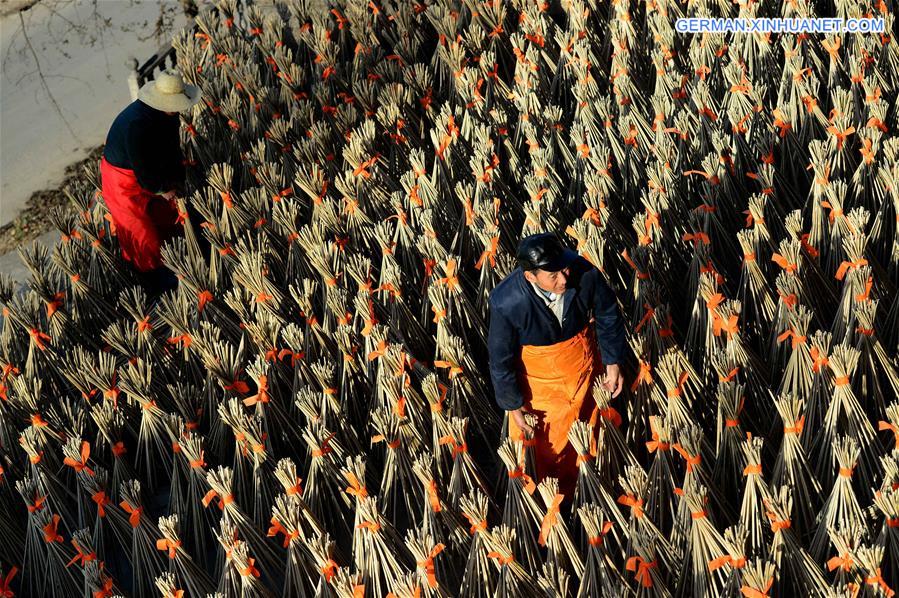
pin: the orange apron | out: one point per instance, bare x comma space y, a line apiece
557, 383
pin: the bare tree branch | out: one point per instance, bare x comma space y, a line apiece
43, 80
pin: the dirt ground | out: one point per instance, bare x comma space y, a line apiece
34, 220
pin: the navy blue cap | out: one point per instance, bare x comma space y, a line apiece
544, 251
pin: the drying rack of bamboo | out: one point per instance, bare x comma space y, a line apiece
310, 414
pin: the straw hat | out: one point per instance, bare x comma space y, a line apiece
168, 92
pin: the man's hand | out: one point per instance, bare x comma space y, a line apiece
518, 417
169, 195
613, 381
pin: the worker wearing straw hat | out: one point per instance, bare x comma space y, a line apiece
142, 172
544, 354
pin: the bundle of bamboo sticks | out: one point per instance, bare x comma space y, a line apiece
310, 411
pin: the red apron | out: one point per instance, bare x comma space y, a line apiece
142, 220
557, 385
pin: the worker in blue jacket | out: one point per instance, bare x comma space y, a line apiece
555, 327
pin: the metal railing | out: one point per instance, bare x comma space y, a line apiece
138, 75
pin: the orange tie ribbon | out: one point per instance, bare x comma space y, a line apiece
808, 247
882, 425
783, 263
501, 559
433, 497
428, 565
749, 592
81, 556
355, 488
753, 468
81, 465
102, 500
203, 298
184, 339
372, 526
833, 48
714, 301
797, 339
133, 512
238, 386
277, 528
144, 325
476, 526
699, 237
840, 135
819, 361
329, 569
50, 533
845, 266
778, 525
636, 504
171, 546
795, 428
294, 356
489, 254
451, 280
692, 460
834, 212
709, 268
527, 481
250, 569
863, 296
649, 312
458, 448
656, 444
866, 151
730, 375
642, 569
844, 561
261, 396
677, 390
454, 369
5, 590
720, 325
877, 580
597, 540
106, 590
39, 338
325, 447
379, 351
611, 415
627, 258
644, 376
727, 559
54, 305
198, 462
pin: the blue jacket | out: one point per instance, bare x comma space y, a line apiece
147, 141
519, 317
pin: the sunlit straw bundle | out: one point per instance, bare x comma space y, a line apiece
705, 547
478, 578
841, 507
521, 511
561, 550
798, 571
661, 501
358, 177
600, 574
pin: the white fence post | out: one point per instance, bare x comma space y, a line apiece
133, 85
